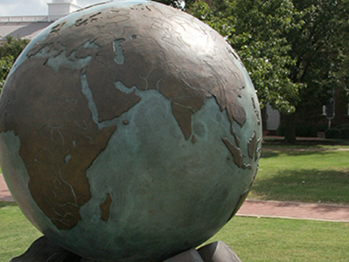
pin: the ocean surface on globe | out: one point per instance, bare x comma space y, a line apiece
129, 131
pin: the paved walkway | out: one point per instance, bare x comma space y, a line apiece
294, 210
5, 194
264, 208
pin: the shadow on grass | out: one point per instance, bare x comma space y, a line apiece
5, 203
305, 142
304, 185
269, 154
294, 152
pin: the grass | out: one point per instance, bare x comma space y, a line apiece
17, 233
304, 176
268, 239
253, 239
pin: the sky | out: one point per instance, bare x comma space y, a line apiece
33, 7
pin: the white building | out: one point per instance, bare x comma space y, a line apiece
29, 26
272, 119
60, 8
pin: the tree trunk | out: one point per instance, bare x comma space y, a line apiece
290, 132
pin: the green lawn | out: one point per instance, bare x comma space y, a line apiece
253, 239
16, 232
272, 240
305, 176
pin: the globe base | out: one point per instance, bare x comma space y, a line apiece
44, 249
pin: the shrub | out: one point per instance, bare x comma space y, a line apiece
333, 133
345, 132
342, 126
303, 130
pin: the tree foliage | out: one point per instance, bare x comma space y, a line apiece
257, 30
295, 51
13, 46
180, 4
342, 40
5, 66
9, 51
314, 48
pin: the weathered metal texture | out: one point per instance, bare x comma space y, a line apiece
43, 250
128, 121
218, 252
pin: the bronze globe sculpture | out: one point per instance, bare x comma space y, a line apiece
130, 131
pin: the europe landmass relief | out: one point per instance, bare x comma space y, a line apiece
87, 73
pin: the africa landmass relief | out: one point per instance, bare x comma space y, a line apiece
86, 74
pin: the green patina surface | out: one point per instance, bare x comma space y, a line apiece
135, 125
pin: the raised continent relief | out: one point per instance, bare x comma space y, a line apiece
117, 51
129, 124
121, 53
60, 143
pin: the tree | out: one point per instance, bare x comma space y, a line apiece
9, 52
5, 66
314, 47
13, 46
257, 30
294, 50
342, 40
180, 4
